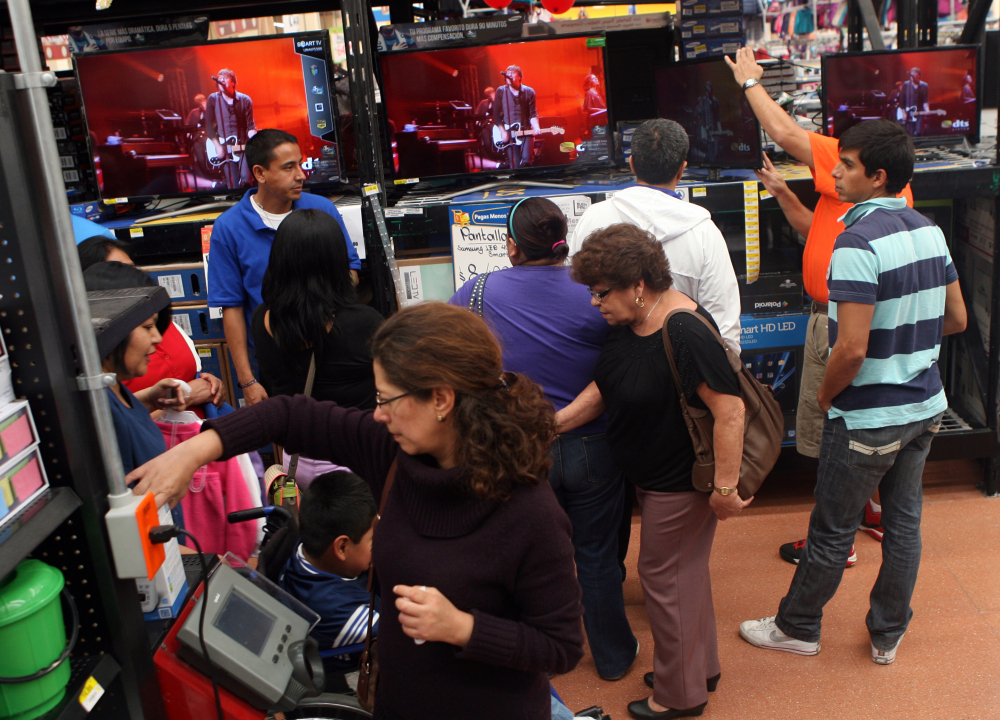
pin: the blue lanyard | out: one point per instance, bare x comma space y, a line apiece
671, 193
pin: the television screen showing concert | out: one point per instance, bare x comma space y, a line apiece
175, 120
932, 93
702, 96
489, 108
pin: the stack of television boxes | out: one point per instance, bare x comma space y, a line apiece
71, 139
22, 475
710, 28
188, 289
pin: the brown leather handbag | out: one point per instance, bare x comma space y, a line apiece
764, 423
368, 668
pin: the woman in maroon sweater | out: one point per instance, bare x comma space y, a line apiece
472, 544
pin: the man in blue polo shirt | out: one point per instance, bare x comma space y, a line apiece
893, 293
242, 237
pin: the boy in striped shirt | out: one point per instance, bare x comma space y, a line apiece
894, 293
328, 571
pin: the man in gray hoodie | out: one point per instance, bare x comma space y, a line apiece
699, 258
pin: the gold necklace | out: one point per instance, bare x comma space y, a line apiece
643, 326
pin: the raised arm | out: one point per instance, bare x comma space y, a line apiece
798, 215
321, 430
775, 121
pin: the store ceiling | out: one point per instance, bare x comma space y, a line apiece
56, 15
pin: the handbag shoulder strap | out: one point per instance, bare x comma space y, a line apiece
293, 463
478, 293
386, 489
669, 348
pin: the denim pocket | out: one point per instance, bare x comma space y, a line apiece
874, 451
601, 467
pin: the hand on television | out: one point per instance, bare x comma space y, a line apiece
426, 614
771, 179
254, 394
745, 67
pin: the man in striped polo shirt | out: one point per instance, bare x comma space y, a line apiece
893, 293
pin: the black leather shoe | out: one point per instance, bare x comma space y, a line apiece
712, 682
640, 710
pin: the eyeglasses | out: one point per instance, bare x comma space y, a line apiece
599, 295
379, 402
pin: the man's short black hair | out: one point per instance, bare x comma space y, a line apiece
659, 148
96, 249
260, 148
883, 145
336, 503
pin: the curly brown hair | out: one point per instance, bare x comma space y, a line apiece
621, 255
505, 425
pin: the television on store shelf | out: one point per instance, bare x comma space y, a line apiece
703, 97
933, 92
173, 121
441, 121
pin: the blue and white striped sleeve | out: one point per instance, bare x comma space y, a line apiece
853, 273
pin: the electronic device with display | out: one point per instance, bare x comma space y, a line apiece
507, 108
258, 637
721, 127
933, 92
174, 121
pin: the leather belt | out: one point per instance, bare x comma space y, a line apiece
818, 307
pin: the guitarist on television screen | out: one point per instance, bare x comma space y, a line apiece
913, 98
229, 122
514, 105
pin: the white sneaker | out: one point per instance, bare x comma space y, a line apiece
765, 634
885, 657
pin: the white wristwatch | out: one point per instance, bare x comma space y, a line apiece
750, 83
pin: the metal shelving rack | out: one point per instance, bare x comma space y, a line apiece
45, 319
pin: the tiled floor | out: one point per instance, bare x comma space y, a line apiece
948, 667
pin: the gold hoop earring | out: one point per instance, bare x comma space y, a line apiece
440, 418
640, 301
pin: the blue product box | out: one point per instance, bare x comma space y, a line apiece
91, 211
704, 8
185, 283
711, 27
709, 47
166, 612
196, 322
772, 330
210, 355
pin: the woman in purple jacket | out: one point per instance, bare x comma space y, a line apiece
472, 548
549, 331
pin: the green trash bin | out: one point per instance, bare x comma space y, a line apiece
33, 636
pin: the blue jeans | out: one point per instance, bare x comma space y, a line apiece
589, 487
853, 463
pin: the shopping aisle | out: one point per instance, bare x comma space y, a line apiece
948, 667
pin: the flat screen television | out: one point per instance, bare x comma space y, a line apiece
454, 111
703, 97
172, 121
932, 92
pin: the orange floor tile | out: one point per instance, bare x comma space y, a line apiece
948, 666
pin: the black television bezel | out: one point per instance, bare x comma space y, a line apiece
749, 165
323, 35
924, 140
499, 173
